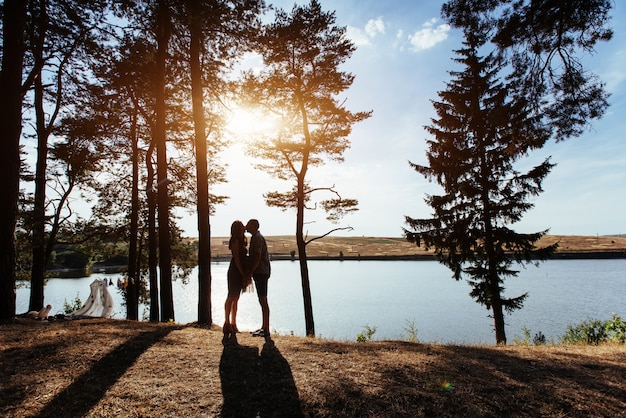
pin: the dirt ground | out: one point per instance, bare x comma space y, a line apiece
117, 368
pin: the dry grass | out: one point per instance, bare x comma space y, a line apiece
114, 368
332, 246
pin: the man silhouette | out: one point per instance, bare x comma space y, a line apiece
260, 270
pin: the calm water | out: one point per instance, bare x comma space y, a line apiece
390, 295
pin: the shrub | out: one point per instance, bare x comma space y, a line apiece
411, 330
525, 340
539, 339
615, 329
366, 335
75, 305
595, 331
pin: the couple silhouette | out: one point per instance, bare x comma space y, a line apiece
247, 265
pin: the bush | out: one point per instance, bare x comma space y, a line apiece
411, 330
615, 329
595, 331
75, 305
539, 339
525, 340
366, 335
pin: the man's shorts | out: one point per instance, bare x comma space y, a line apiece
260, 282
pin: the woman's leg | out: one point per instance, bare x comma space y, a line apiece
227, 311
233, 314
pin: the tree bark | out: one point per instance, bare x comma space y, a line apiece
160, 137
38, 270
132, 291
13, 26
152, 238
202, 179
304, 267
40, 260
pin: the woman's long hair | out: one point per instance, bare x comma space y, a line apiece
237, 233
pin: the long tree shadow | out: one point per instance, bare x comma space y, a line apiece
256, 385
86, 390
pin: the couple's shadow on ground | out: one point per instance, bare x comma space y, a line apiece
257, 385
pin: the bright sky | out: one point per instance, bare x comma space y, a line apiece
403, 58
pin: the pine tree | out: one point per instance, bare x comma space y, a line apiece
302, 52
544, 41
479, 133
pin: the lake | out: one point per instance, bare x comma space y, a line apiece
393, 297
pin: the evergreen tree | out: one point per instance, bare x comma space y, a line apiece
479, 133
303, 51
543, 41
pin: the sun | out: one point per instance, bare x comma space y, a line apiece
248, 123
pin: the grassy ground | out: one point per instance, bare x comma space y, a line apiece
332, 246
115, 368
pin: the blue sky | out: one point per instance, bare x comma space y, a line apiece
403, 58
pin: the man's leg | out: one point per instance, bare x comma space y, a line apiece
260, 280
265, 311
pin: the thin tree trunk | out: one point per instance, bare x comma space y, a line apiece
304, 267
202, 179
38, 268
13, 26
152, 238
132, 291
165, 258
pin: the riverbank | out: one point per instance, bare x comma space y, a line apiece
381, 248
110, 368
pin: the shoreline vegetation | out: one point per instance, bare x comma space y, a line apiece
283, 247
382, 248
109, 368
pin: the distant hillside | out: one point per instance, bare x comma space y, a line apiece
353, 247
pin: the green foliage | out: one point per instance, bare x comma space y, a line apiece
480, 133
366, 335
595, 331
73, 306
66, 256
561, 90
411, 330
525, 340
615, 329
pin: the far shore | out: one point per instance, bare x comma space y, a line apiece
283, 247
384, 248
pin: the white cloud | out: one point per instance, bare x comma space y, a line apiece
357, 36
429, 36
375, 26
362, 37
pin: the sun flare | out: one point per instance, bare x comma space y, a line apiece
246, 123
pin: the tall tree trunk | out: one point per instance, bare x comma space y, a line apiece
152, 238
301, 244
202, 179
13, 26
165, 258
304, 267
132, 291
38, 269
